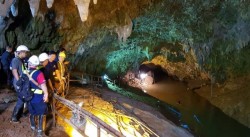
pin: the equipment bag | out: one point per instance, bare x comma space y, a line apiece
24, 89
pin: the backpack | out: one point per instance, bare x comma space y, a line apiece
24, 90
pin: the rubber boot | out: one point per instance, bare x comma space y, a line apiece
32, 123
24, 111
14, 115
41, 125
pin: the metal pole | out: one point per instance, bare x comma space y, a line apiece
211, 86
53, 110
68, 84
98, 131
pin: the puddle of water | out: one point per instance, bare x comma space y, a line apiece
202, 117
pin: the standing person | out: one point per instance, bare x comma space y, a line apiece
18, 69
60, 73
47, 71
38, 104
60, 65
52, 66
5, 61
52, 61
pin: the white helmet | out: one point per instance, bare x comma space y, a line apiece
43, 57
34, 60
22, 48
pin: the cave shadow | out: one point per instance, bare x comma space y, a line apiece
153, 70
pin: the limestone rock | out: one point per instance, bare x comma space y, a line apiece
14, 8
4, 7
124, 31
2, 1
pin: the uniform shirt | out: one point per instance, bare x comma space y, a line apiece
45, 72
39, 78
17, 64
51, 67
61, 68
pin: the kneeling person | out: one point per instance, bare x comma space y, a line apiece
38, 104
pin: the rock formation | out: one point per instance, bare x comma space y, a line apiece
83, 8
34, 6
189, 40
49, 3
4, 20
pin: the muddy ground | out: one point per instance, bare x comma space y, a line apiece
8, 129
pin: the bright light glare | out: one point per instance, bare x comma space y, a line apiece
105, 76
91, 129
143, 75
75, 133
144, 91
80, 104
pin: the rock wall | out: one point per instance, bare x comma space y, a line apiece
188, 39
232, 98
4, 22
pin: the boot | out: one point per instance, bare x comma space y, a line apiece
14, 115
32, 123
25, 111
41, 126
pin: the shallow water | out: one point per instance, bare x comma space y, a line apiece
204, 119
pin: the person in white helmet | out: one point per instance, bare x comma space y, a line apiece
44, 58
47, 71
38, 104
18, 68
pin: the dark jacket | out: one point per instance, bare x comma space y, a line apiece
6, 60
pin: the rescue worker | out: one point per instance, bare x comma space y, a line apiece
5, 61
18, 69
52, 66
52, 63
38, 104
60, 64
44, 61
60, 73
48, 74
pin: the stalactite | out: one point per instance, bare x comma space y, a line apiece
34, 6
124, 32
83, 8
49, 3
14, 8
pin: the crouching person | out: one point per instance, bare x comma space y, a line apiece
38, 104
